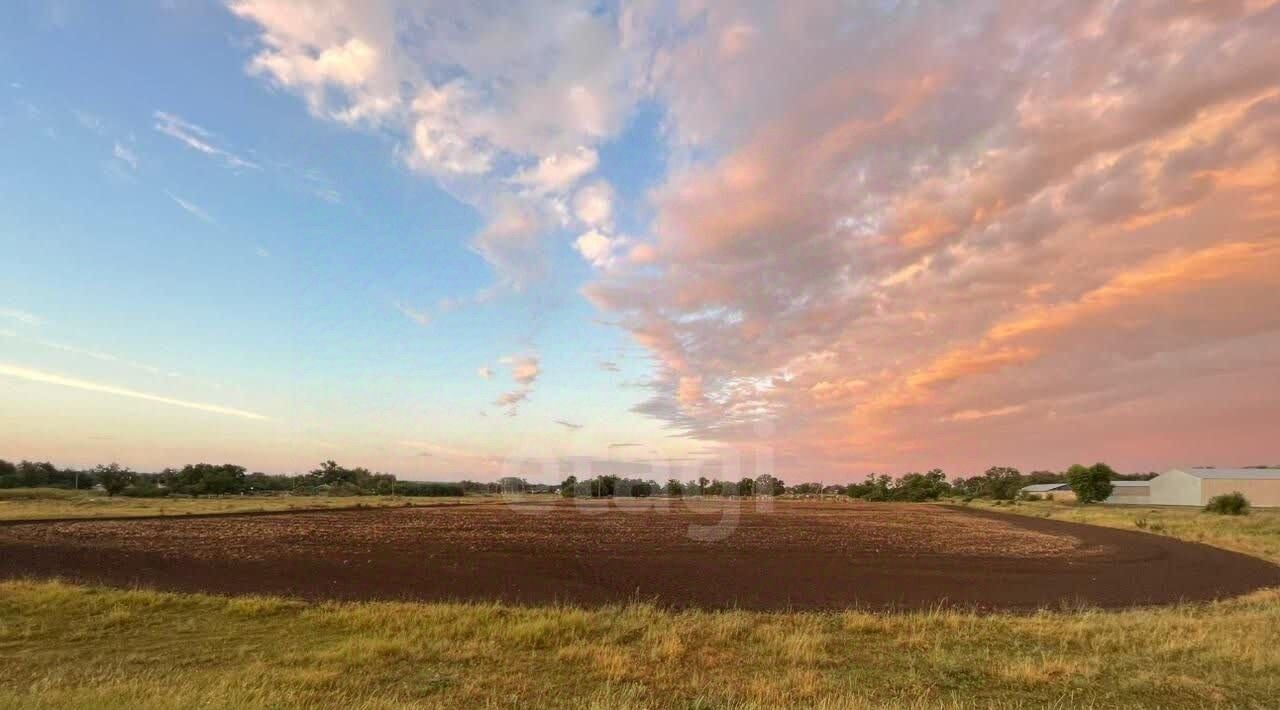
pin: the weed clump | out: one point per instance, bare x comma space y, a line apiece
1229, 504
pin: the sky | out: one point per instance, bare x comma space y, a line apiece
665, 238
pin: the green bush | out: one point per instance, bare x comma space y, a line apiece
1230, 504
1092, 484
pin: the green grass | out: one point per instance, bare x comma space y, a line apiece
80, 647
46, 503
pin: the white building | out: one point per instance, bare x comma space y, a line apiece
1052, 491
1129, 493
1195, 486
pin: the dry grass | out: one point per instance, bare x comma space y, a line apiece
1256, 534
66, 646
47, 503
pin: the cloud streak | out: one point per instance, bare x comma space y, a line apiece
20, 316
191, 208
420, 317
199, 139
48, 378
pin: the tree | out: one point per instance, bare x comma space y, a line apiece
921, 486
746, 487
1001, 483
114, 478
675, 489
1092, 484
569, 487
878, 487
512, 485
766, 485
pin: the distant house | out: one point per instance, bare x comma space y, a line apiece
1054, 491
1195, 486
1129, 493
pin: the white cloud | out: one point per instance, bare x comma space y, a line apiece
122, 153
512, 400
20, 316
339, 56
91, 122
524, 368
558, 172
49, 378
485, 373
593, 205
441, 140
490, 99
595, 247
198, 139
417, 316
510, 241
191, 208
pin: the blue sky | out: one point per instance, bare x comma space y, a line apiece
830, 238
275, 291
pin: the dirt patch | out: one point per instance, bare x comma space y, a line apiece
711, 554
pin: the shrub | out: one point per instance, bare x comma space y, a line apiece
1230, 504
1092, 484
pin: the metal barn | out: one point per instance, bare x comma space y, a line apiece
1195, 486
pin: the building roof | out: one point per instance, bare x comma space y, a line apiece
1241, 474
1130, 484
1044, 487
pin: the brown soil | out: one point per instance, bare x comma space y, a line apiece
710, 554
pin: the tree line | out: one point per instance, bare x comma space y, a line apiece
1091, 483
225, 479
997, 483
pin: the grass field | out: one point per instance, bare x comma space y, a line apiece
45, 503
1257, 533
70, 646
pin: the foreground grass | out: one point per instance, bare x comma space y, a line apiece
66, 646
45, 503
70, 646
1257, 533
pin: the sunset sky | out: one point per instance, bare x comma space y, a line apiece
818, 238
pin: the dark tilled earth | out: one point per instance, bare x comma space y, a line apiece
706, 554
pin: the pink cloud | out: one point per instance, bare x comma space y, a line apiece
1041, 214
